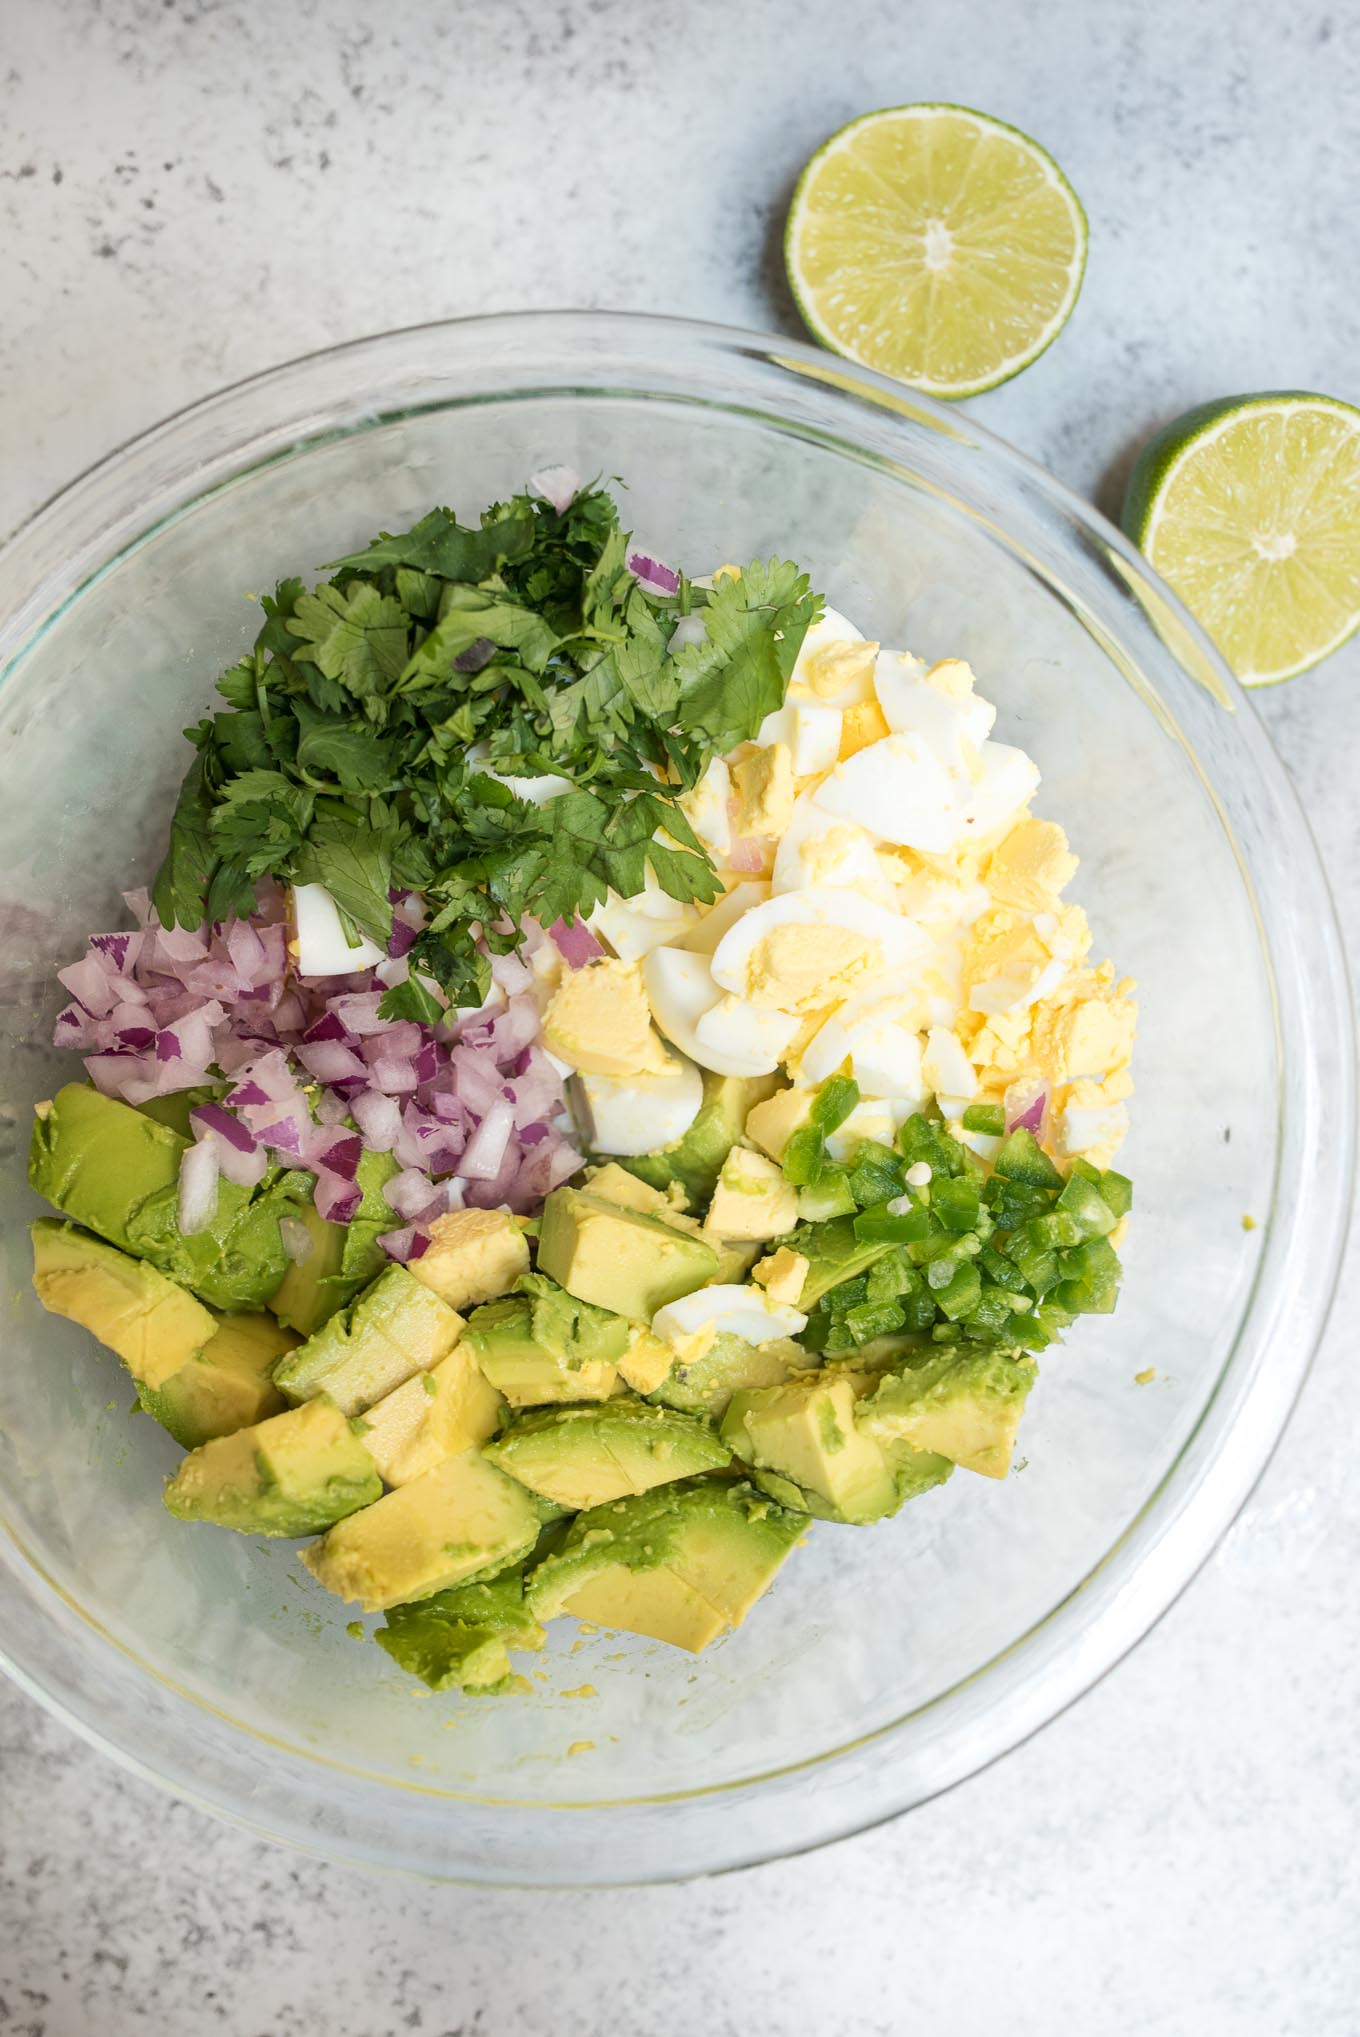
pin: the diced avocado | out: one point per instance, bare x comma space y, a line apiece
436, 1414
696, 1158
116, 1171
752, 1200
343, 1258
542, 1344
154, 1326
834, 1254
394, 1328
725, 1366
802, 1442
473, 1255
463, 1521
682, 1563
772, 1122
581, 1457
619, 1259
198, 1374
964, 1405
613, 1183
291, 1475
647, 1361
735, 1260
459, 1639
226, 1386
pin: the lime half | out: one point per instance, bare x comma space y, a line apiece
1250, 509
937, 245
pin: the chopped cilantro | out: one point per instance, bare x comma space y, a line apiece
342, 758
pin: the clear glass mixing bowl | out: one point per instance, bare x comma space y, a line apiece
887, 1663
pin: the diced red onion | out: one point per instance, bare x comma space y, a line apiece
651, 574
378, 1118
405, 1244
197, 1197
244, 1170
331, 1108
342, 1157
91, 983
211, 1117
331, 1061
330, 1026
557, 485
336, 1200
1026, 1104
575, 943
485, 1150
246, 1093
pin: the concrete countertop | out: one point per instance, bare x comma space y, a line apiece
191, 190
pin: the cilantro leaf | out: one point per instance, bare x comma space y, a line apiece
755, 623
350, 852
330, 747
354, 634
180, 892
439, 544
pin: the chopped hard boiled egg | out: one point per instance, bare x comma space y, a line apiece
707, 808
764, 791
804, 950
820, 848
727, 1310
873, 1036
634, 1114
810, 731
740, 1040
835, 662
937, 704
323, 946
598, 1021
709, 927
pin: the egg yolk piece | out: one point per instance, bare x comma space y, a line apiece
798, 967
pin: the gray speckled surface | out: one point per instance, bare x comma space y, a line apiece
190, 191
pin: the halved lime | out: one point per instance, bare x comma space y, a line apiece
937, 245
1250, 509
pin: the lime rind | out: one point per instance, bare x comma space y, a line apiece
1013, 364
1188, 437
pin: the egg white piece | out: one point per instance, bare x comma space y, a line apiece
734, 1037
682, 994
1006, 779
949, 725
811, 731
874, 1034
945, 1067
900, 943
900, 789
806, 856
709, 927
876, 1118
632, 930
1010, 993
834, 628
322, 947
1085, 1130
628, 1115
730, 1310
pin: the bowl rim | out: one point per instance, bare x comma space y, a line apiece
41, 573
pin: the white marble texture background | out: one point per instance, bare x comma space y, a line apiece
194, 189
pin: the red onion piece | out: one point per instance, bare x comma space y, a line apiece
485, 1150
336, 1200
557, 485
405, 1244
211, 1117
651, 574
197, 1200
575, 943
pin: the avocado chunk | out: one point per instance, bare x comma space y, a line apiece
116, 1171
460, 1639
542, 1344
473, 1255
291, 1475
803, 1444
965, 1406
228, 1385
682, 1563
343, 1258
434, 1415
614, 1183
751, 1201
728, 1365
461, 1522
620, 1259
695, 1160
154, 1326
581, 1457
394, 1328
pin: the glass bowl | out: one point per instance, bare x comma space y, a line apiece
887, 1663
